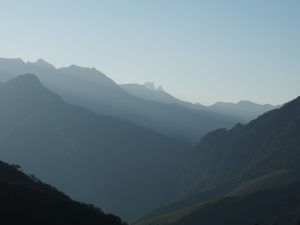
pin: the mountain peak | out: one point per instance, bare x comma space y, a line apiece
27, 76
245, 102
85, 70
43, 63
82, 68
25, 80
73, 66
12, 59
150, 85
28, 86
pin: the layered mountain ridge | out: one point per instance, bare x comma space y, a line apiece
243, 111
91, 89
115, 164
129, 154
234, 167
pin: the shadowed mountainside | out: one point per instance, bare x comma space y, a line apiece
26, 200
280, 205
245, 159
265, 145
117, 165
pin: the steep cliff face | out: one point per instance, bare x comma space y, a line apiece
239, 173
268, 144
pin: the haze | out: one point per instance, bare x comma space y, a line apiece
188, 47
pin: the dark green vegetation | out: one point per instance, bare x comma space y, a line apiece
231, 165
25, 200
279, 205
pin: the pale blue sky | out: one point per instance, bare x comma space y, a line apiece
202, 51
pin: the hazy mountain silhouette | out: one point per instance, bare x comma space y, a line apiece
149, 92
114, 164
245, 159
244, 110
26, 200
93, 90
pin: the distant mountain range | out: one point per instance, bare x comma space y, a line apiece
115, 164
239, 170
94, 91
127, 148
243, 111
148, 91
26, 200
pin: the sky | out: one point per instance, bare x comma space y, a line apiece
200, 51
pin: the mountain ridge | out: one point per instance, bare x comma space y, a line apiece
246, 159
243, 110
93, 153
91, 89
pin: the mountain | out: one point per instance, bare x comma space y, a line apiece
266, 145
91, 89
115, 164
26, 200
244, 110
149, 92
246, 159
280, 205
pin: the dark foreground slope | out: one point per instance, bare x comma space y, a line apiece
248, 158
114, 164
25, 200
280, 205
